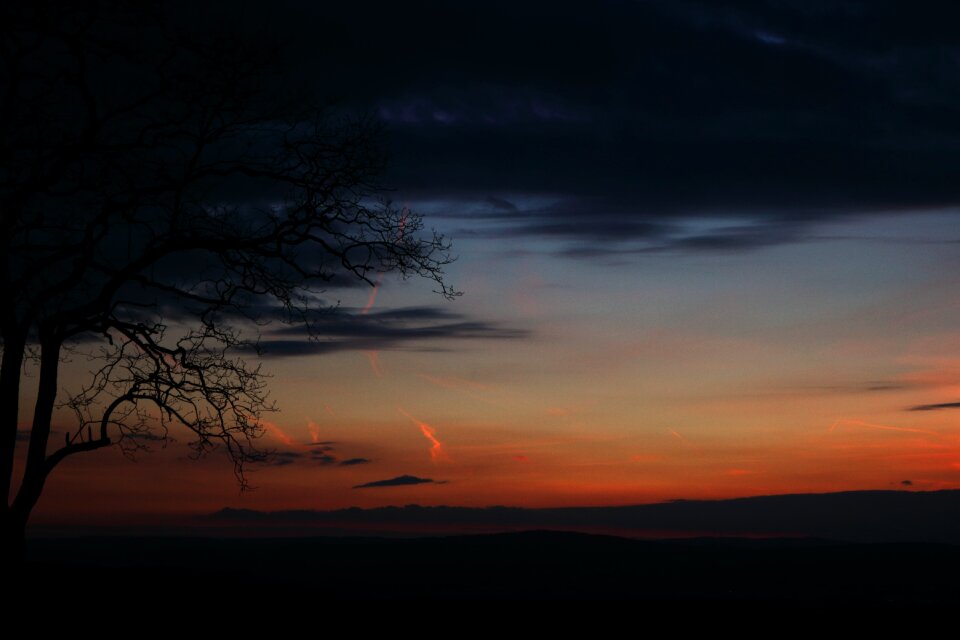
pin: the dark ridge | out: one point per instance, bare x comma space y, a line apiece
858, 516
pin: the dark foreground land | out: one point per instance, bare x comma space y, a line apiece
513, 567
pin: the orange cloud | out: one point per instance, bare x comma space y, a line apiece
273, 429
314, 430
373, 356
372, 298
437, 451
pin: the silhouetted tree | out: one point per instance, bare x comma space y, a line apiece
160, 193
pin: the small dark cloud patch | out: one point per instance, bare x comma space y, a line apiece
350, 462
319, 453
399, 481
870, 386
283, 458
935, 407
907, 483
322, 457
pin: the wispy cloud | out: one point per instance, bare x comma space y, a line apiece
850, 422
437, 452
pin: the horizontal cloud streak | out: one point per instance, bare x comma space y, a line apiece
350, 330
594, 228
399, 481
935, 407
351, 462
314, 453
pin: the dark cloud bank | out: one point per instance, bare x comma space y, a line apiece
636, 118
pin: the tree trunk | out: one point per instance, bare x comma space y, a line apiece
37, 469
10, 370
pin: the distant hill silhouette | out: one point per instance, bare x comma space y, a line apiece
789, 552
857, 516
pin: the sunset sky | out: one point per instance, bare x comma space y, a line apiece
705, 251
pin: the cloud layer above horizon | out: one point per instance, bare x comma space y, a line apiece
656, 126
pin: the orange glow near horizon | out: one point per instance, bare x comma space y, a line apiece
683, 385
469, 255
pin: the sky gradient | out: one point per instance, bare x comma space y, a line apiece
705, 253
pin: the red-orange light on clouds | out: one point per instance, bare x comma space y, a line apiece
372, 298
314, 430
373, 356
278, 433
437, 451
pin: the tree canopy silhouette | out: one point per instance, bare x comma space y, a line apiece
161, 194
